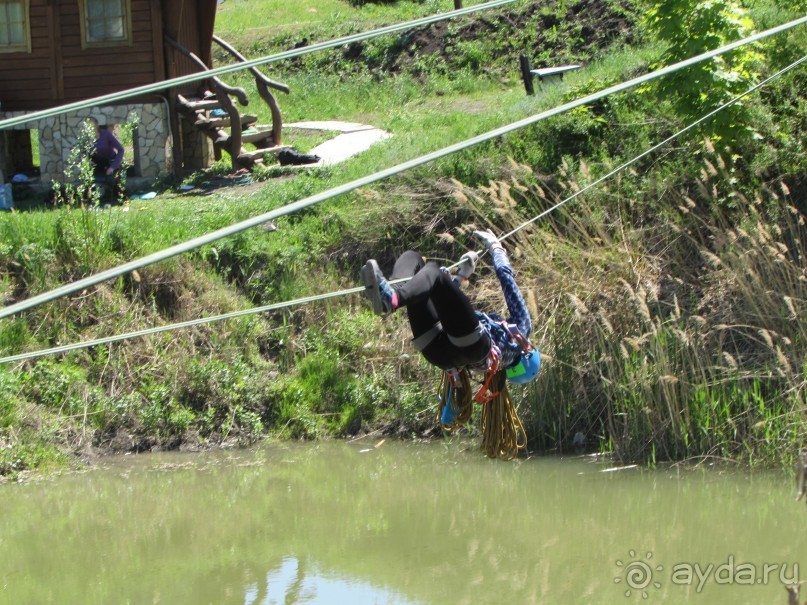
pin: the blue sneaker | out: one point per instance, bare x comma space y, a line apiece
377, 289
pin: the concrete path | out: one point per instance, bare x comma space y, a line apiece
353, 138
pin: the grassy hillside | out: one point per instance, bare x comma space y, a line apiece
667, 302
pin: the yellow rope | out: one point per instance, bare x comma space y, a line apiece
461, 396
503, 434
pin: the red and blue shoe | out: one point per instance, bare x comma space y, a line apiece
377, 288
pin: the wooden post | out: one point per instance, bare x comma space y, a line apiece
457, 5
526, 74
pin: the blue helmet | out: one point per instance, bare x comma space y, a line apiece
526, 369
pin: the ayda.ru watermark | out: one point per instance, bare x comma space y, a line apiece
640, 575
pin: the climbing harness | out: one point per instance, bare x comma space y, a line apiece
485, 394
425, 339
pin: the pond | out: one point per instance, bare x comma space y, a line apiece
401, 523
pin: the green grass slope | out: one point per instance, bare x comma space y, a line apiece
667, 302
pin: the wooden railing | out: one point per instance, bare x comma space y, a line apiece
263, 84
223, 93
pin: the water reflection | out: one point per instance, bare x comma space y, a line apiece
292, 584
403, 523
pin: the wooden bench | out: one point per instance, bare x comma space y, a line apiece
553, 72
545, 74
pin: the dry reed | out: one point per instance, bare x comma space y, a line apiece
667, 342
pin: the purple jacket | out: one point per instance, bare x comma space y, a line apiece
108, 148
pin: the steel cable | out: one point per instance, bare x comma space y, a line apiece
305, 300
372, 178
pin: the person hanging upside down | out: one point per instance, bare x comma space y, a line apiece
450, 333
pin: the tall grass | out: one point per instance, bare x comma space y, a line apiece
672, 336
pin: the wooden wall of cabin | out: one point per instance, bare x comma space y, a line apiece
58, 70
92, 72
26, 80
190, 23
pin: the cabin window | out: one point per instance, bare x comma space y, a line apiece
105, 22
15, 33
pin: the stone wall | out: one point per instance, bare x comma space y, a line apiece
57, 136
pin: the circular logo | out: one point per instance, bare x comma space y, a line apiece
638, 574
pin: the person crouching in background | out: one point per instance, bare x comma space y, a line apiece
107, 155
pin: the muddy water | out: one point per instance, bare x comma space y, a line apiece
398, 524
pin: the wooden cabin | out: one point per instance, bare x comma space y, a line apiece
54, 52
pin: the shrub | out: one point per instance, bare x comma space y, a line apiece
692, 27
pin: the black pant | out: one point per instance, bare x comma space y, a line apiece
431, 296
112, 182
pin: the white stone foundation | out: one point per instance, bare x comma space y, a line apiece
57, 136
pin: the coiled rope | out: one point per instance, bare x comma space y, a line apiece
339, 293
503, 434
